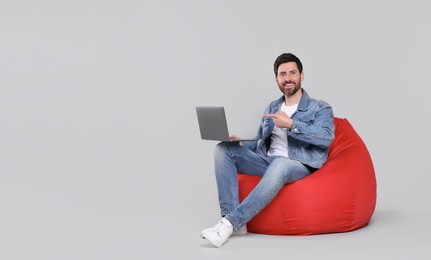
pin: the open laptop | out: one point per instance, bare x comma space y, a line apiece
213, 124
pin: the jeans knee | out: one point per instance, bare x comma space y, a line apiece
220, 149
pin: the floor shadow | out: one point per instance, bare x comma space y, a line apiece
387, 216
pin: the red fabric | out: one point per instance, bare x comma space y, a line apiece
339, 197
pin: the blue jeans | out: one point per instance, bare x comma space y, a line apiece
230, 158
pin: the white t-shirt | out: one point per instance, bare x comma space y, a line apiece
279, 145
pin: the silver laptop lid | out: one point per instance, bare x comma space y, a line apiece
212, 123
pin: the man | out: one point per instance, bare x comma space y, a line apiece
292, 142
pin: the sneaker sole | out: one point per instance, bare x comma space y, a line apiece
213, 240
235, 233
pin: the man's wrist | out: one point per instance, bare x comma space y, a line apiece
290, 124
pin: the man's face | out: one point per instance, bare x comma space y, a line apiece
289, 78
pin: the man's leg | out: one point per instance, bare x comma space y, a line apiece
279, 172
229, 158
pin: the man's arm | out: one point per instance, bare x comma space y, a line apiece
320, 133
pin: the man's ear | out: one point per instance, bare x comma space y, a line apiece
302, 76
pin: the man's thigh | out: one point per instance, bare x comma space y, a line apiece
290, 170
247, 161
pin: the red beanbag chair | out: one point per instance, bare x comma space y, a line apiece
339, 197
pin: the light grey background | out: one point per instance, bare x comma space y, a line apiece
100, 154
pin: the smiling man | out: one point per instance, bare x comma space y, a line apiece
292, 142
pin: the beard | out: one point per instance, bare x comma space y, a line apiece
289, 88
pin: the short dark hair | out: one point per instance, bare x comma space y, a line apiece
284, 58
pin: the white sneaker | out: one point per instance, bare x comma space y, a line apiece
218, 234
241, 231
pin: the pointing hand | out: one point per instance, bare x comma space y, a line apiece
281, 119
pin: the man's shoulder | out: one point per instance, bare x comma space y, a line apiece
318, 102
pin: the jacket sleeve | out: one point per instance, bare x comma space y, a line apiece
320, 132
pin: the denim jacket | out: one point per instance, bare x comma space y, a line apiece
309, 138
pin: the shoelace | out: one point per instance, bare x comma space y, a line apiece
221, 227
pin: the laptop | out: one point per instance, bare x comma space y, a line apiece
213, 124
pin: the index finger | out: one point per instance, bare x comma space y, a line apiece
270, 115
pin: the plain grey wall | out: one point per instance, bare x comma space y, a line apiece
97, 97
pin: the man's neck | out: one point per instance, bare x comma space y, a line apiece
293, 100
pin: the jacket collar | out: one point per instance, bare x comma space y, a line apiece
303, 103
